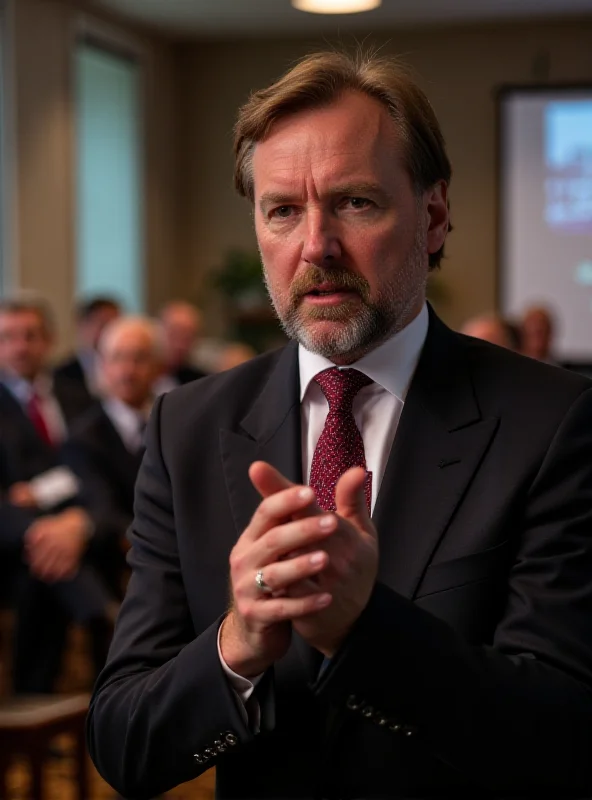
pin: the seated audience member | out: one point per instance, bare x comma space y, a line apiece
537, 332
493, 328
44, 531
181, 324
107, 444
91, 318
233, 354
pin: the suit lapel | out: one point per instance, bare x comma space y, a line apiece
270, 431
439, 444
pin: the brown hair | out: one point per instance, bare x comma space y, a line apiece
320, 79
29, 304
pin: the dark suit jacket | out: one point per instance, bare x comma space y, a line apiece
23, 455
107, 470
71, 389
469, 674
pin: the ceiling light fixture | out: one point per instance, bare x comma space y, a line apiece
335, 6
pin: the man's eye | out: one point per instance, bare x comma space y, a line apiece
358, 202
282, 212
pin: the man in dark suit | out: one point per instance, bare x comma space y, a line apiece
92, 316
42, 523
419, 625
181, 324
106, 446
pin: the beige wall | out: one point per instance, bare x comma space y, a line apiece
44, 33
460, 68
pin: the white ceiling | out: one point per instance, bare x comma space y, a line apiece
212, 18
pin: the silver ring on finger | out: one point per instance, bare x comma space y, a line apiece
260, 583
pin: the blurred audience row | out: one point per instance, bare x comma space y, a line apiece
532, 335
71, 443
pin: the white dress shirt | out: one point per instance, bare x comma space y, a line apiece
377, 409
130, 423
23, 390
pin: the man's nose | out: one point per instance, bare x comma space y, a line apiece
321, 244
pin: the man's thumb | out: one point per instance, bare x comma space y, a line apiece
350, 496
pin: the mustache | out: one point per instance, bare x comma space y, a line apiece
338, 277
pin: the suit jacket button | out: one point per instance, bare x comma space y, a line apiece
230, 739
367, 711
199, 758
381, 720
353, 703
395, 727
409, 730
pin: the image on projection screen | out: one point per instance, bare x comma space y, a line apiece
546, 211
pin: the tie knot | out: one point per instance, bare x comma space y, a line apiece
340, 386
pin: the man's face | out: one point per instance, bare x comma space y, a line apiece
24, 343
537, 334
344, 238
489, 331
181, 327
92, 328
130, 367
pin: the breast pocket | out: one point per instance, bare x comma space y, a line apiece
492, 563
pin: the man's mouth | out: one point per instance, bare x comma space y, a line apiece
328, 293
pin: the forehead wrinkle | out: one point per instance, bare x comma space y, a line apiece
309, 151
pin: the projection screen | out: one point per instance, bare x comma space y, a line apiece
545, 210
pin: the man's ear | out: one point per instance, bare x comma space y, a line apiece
436, 206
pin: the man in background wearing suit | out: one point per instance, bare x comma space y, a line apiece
181, 325
92, 316
42, 521
417, 620
106, 446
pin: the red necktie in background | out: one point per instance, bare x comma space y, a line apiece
340, 445
34, 409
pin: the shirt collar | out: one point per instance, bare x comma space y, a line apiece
391, 365
124, 416
23, 389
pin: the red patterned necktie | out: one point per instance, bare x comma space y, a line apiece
340, 445
38, 419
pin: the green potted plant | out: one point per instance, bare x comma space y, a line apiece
240, 280
250, 315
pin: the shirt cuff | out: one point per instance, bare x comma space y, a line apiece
56, 486
243, 689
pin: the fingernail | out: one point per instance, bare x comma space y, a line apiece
323, 600
317, 558
306, 493
327, 522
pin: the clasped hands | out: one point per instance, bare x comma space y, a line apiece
55, 544
320, 567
